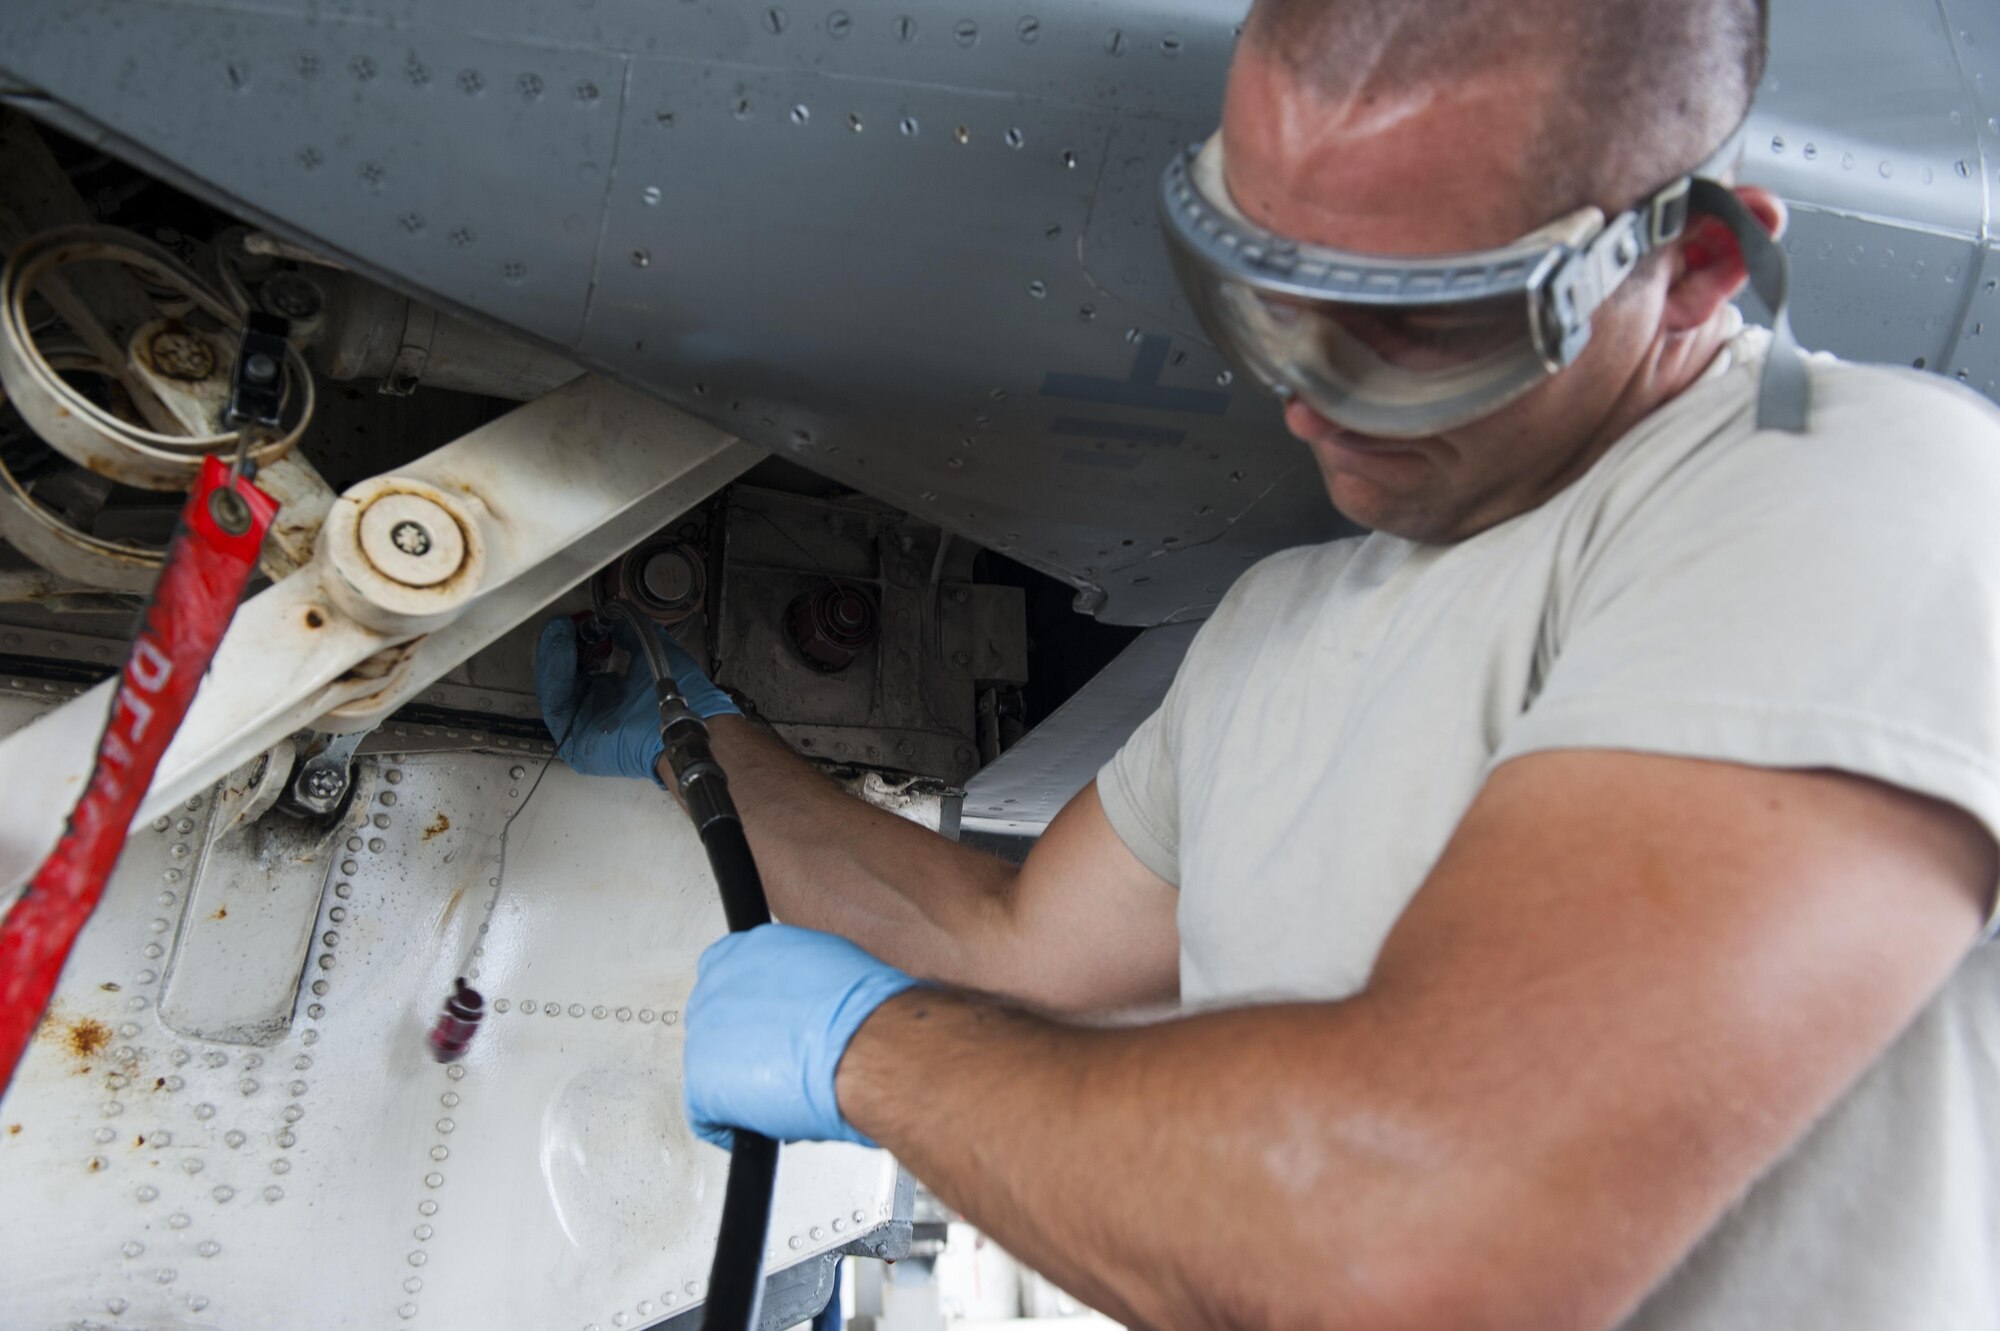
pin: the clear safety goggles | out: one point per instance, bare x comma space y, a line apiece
1408, 347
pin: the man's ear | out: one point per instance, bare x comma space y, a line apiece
1708, 265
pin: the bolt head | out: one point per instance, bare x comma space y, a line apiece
324, 783
260, 368
411, 538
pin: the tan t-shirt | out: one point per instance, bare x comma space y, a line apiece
1828, 600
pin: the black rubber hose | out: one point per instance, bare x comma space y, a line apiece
736, 1278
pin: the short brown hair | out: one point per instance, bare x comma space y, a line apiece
1648, 88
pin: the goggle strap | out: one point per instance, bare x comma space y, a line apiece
1784, 394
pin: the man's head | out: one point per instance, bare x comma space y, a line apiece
1424, 127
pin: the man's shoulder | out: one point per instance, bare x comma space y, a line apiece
1278, 578
1877, 436
1847, 395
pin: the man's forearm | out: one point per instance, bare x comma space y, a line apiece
1170, 1175
1299, 1165
835, 863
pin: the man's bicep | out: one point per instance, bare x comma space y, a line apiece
1090, 924
1640, 979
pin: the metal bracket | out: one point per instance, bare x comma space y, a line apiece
257, 382
324, 778
558, 488
405, 372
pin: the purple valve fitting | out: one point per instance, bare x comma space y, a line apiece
452, 1035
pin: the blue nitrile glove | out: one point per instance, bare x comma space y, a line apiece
605, 725
771, 1014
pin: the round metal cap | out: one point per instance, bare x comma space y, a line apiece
411, 540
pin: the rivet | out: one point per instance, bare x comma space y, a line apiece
469, 82
775, 20
133, 1248
839, 23
905, 28
179, 1220
274, 1193
433, 1180
223, 1193
208, 1247
281, 1166
1015, 138
909, 126
1114, 42
196, 1302
530, 86
147, 1192
1028, 29
1038, 289
576, 1009
801, 114
966, 32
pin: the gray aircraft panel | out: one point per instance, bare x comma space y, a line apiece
979, 327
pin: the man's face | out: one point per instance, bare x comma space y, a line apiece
1425, 171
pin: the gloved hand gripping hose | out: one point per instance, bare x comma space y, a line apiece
736, 1279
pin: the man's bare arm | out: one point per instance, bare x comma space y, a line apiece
1629, 984
1081, 925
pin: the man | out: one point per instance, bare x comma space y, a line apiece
1573, 885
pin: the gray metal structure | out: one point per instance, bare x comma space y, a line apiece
913, 246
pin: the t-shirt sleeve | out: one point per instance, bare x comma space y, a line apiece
1137, 790
1830, 600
